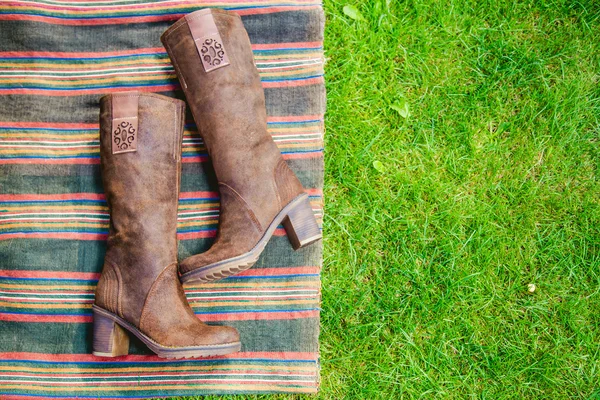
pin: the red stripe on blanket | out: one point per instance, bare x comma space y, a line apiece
47, 125
95, 236
45, 318
49, 274
289, 83
52, 92
49, 197
96, 276
246, 316
66, 161
27, 356
54, 235
141, 19
165, 4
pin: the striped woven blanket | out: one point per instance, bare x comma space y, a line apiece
57, 58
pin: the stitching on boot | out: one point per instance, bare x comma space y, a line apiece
180, 126
117, 271
176, 133
285, 187
252, 215
151, 292
109, 294
275, 189
105, 294
276, 172
106, 287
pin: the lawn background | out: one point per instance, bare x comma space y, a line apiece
462, 162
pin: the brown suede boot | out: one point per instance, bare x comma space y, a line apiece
139, 290
211, 53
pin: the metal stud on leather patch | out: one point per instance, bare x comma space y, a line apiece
208, 41
124, 123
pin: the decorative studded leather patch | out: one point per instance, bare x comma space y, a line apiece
212, 53
208, 41
124, 134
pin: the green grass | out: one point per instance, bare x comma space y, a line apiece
490, 184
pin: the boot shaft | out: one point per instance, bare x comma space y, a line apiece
140, 153
213, 58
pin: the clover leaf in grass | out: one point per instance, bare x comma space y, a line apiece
401, 107
378, 165
353, 13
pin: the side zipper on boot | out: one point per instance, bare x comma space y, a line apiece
110, 340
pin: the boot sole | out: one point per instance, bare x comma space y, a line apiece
111, 340
300, 225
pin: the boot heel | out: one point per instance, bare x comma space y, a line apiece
110, 340
301, 225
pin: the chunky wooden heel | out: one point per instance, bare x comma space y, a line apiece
301, 225
110, 340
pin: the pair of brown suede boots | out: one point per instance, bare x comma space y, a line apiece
140, 290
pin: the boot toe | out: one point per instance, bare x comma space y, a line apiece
230, 334
192, 263
219, 335
211, 256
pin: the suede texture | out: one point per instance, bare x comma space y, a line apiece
164, 320
228, 105
139, 280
